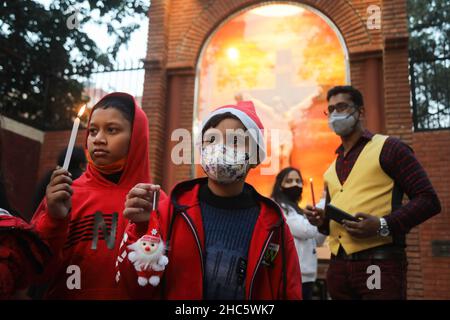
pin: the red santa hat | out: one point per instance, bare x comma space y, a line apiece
153, 231
245, 111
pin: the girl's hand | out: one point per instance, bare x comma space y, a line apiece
59, 193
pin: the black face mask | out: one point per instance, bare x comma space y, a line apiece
293, 193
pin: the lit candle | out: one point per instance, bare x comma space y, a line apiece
312, 191
73, 137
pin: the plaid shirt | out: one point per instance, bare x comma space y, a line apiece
399, 163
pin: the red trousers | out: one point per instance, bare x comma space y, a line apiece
352, 280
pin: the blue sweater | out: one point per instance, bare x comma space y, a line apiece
228, 224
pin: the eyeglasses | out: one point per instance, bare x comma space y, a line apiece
339, 107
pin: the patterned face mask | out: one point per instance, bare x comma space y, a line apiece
224, 164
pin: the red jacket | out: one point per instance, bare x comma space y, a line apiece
22, 255
90, 237
181, 226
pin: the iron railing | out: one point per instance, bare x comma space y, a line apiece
430, 87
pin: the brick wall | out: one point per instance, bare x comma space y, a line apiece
155, 83
20, 156
27, 155
433, 150
54, 143
180, 98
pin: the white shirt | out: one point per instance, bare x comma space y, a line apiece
306, 239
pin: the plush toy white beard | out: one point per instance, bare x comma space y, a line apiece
142, 259
147, 263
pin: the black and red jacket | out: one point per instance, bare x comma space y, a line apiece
182, 228
23, 255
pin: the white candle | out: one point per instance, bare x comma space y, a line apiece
73, 137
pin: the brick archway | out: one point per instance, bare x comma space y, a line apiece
179, 29
347, 19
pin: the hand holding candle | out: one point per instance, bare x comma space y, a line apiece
73, 137
312, 191
59, 194
147, 254
155, 201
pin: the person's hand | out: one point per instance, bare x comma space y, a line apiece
139, 202
367, 227
59, 193
315, 216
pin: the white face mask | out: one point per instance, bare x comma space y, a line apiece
224, 164
342, 123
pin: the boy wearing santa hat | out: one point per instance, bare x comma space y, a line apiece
224, 240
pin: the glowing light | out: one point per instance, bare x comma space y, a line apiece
80, 113
233, 53
278, 10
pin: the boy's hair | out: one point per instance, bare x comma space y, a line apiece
214, 121
354, 94
123, 104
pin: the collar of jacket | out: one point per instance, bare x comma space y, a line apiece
184, 196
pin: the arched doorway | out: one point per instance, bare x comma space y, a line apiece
284, 57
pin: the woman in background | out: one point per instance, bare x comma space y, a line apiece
287, 192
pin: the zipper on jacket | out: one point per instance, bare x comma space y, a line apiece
259, 262
197, 239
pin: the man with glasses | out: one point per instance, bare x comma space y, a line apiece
367, 180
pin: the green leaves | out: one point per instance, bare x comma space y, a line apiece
429, 52
43, 62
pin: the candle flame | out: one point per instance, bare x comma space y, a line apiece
310, 180
80, 113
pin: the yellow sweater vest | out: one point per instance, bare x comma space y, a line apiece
368, 189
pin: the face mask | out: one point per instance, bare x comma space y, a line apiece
342, 124
223, 164
293, 193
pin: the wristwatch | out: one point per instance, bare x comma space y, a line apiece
384, 229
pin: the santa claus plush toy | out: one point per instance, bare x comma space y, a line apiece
147, 254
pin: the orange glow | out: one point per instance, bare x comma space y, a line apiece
284, 58
80, 113
233, 53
